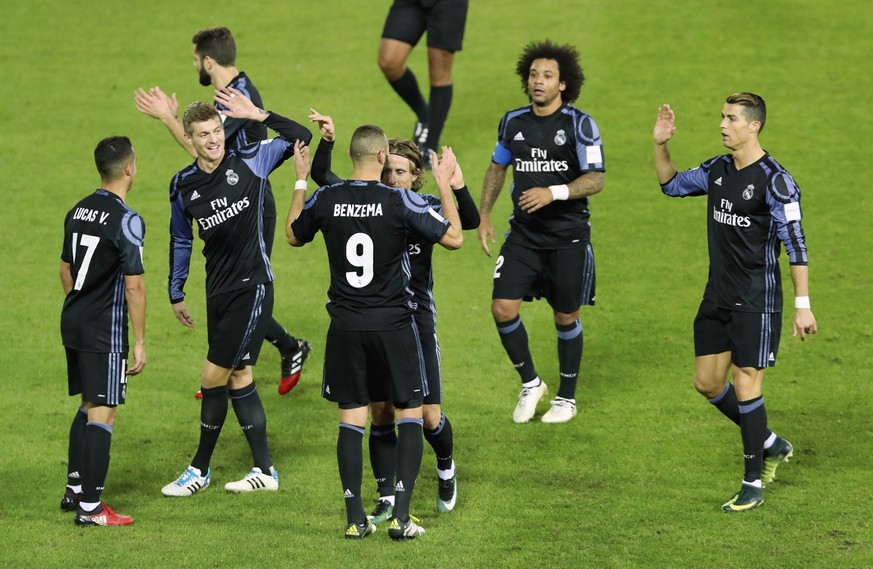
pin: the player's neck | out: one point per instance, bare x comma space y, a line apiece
209, 166
367, 174
550, 109
747, 154
223, 76
116, 187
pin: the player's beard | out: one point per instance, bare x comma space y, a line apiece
205, 79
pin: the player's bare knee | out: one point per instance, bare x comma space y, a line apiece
381, 413
502, 311
708, 387
431, 415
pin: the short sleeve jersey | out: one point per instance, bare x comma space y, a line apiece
545, 151
103, 240
365, 224
749, 212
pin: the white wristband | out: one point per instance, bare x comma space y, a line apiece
300, 185
561, 192
801, 302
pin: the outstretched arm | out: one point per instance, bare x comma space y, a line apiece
443, 168
301, 163
156, 104
321, 172
665, 127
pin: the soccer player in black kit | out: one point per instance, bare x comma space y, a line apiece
753, 204
224, 191
215, 62
557, 159
373, 351
102, 274
405, 169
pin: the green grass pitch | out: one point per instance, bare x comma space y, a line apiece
636, 480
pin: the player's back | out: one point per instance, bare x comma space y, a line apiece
102, 243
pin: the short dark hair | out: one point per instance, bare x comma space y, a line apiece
569, 70
367, 140
216, 43
198, 111
111, 155
410, 151
754, 107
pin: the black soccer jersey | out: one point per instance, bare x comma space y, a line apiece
365, 226
749, 211
228, 205
103, 241
546, 151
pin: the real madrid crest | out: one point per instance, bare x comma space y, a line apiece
233, 178
749, 192
560, 137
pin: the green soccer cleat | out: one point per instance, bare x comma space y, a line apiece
381, 512
748, 498
401, 531
360, 531
780, 452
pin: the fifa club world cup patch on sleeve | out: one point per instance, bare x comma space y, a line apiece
593, 155
792, 211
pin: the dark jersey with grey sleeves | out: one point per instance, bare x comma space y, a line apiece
419, 248
365, 224
547, 151
228, 206
749, 212
103, 241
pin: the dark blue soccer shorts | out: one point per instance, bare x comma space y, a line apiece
365, 366
101, 378
752, 338
237, 322
564, 277
443, 20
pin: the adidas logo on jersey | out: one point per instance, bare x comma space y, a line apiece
195, 195
718, 181
519, 136
348, 494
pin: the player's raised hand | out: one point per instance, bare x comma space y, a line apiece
301, 160
325, 124
457, 181
236, 105
156, 104
665, 125
443, 167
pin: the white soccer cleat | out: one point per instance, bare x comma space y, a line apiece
562, 411
255, 480
188, 483
527, 402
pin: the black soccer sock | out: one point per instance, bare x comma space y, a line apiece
514, 339
95, 460
213, 411
409, 450
277, 335
407, 88
569, 357
253, 420
383, 451
74, 451
726, 402
753, 426
350, 460
440, 102
442, 443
